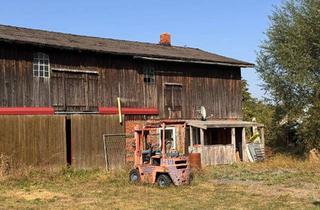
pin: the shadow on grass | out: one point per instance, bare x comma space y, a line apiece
316, 203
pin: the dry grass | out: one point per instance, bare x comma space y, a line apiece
5, 164
279, 183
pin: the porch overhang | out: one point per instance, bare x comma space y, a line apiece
222, 124
222, 153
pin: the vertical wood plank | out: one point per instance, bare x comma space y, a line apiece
202, 137
233, 141
191, 136
244, 145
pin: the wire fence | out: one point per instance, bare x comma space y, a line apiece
115, 150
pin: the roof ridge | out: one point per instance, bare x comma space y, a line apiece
95, 37
111, 45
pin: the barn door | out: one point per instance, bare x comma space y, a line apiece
173, 100
57, 91
88, 134
74, 92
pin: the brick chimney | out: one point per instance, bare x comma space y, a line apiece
165, 39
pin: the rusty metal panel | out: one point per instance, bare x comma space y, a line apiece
33, 140
87, 132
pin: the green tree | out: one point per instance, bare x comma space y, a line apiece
254, 108
289, 64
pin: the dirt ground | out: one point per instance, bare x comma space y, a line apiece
279, 183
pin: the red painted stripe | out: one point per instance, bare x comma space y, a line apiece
129, 111
26, 111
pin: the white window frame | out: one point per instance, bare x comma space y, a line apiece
173, 133
41, 65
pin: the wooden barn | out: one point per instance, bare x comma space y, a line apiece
58, 96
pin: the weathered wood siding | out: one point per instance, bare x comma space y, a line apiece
18, 87
33, 140
217, 88
216, 154
87, 131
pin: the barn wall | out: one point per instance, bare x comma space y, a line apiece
33, 140
87, 131
42, 140
215, 87
18, 87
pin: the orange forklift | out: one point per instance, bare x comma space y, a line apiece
154, 163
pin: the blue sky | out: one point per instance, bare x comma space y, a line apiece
228, 27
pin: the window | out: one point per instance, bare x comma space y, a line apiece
173, 96
149, 75
196, 135
218, 136
41, 65
170, 135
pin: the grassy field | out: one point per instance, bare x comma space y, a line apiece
279, 183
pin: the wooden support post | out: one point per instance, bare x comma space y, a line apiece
202, 137
233, 141
191, 137
244, 146
262, 136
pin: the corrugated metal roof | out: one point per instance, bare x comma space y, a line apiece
222, 124
113, 46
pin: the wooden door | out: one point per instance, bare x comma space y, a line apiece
87, 141
57, 91
173, 100
92, 93
74, 92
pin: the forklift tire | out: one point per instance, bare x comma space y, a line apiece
164, 180
134, 176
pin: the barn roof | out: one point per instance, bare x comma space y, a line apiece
140, 50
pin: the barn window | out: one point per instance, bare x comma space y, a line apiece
41, 65
149, 75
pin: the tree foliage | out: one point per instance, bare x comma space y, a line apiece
254, 108
289, 64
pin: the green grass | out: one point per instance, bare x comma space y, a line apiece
279, 183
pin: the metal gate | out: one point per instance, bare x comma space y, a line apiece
114, 151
